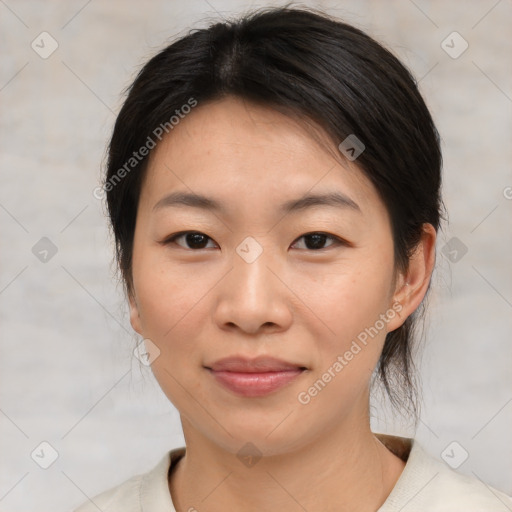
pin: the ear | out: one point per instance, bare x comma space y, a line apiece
134, 313
412, 286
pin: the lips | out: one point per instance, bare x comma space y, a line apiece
254, 377
257, 365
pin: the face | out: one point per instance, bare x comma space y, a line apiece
263, 273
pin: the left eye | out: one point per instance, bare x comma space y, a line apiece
315, 241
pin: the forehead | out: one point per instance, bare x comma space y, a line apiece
236, 150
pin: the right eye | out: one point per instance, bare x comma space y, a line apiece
194, 239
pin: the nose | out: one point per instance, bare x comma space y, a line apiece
253, 298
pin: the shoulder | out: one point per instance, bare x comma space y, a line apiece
428, 484
147, 491
452, 490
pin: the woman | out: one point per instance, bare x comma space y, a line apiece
273, 185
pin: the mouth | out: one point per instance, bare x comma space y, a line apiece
254, 377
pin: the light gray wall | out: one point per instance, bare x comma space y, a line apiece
67, 375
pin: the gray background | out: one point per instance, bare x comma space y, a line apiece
67, 373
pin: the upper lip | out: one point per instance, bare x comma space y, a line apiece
255, 365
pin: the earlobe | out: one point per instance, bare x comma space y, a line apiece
134, 315
413, 286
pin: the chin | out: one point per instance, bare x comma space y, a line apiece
267, 438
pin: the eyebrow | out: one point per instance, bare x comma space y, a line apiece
193, 200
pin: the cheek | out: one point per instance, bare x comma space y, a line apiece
168, 293
172, 308
172, 305
349, 300
349, 305
164, 304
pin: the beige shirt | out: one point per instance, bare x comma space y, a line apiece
426, 484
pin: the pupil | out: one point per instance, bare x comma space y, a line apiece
195, 239
318, 239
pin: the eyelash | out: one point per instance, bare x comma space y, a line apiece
337, 241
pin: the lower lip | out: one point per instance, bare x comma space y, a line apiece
255, 384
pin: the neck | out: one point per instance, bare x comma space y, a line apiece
347, 469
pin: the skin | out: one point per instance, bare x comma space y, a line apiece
293, 302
